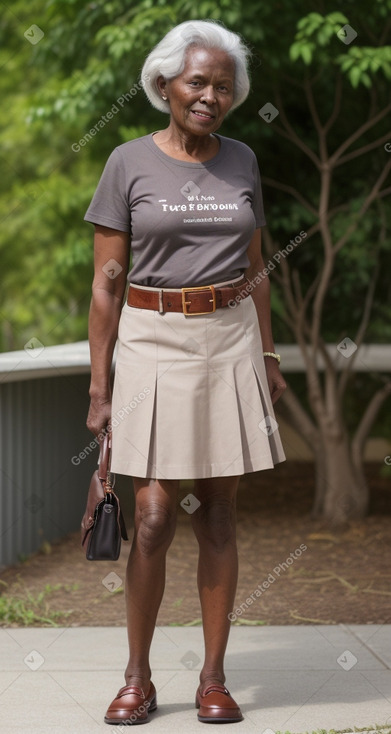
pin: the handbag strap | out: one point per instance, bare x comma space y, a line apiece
106, 476
104, 456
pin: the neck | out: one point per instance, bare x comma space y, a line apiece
182, 142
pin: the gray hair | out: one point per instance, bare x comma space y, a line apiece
167, 59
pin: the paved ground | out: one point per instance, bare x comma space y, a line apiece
285, 678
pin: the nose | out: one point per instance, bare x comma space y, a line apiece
208, 95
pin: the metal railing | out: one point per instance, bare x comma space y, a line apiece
46, 458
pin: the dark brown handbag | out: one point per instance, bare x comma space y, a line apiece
103, 523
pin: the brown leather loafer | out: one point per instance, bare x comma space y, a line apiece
131, 706
216, 705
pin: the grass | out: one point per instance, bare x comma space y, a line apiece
193, 623
238, 622
248, 622
381, 728
26, 610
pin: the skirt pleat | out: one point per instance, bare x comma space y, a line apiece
190, 397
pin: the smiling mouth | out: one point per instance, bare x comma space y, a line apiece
204, 115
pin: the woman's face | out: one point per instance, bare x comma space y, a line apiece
202, 94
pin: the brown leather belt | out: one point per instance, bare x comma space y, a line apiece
190, 301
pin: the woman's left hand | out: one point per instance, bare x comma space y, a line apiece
275, 380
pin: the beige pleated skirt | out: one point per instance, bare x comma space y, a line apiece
190, 396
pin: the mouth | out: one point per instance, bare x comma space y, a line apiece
202, 115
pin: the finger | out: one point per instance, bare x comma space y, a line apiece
277, 392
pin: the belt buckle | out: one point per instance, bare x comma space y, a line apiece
185, 303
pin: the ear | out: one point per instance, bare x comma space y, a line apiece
162, 86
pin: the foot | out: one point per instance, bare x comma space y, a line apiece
215, 679
216, 705
132, 705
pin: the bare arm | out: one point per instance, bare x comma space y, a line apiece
261, 297
108, 290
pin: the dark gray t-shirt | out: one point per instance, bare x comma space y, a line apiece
189, 223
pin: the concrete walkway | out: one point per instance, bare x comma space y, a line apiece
296, 679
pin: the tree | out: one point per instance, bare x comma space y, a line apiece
323, 164
45, 255
340, 226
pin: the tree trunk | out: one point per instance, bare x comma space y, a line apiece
8, 337
341, 488
320, 482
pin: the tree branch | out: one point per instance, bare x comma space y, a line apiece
385, 192
271, 247
327, 269
310, 292
287, 289
374, 102
384, 34
290, 190
368, 419
297, 321
317, 122
358, 133
297, 288
364, 149
295, 139
337, 104
358, 340
374, 194
290, 79
290, 316
312, 107
290, 133
291, 409
337, 209
292, 307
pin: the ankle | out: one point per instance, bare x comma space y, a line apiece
207, 678
139, 678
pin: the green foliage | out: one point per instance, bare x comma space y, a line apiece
25, 609
359, 63
249, 622
56, 91
314, 32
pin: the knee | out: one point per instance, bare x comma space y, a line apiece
155, 527
214, 522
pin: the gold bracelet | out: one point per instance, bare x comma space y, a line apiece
274, 355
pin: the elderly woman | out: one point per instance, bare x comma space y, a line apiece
196, 371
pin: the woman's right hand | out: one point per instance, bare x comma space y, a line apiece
104, 317
99, 415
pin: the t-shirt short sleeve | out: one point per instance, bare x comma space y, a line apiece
257, 204
109, 205
190, 223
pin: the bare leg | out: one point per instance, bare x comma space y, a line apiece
154, 529
214, 524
